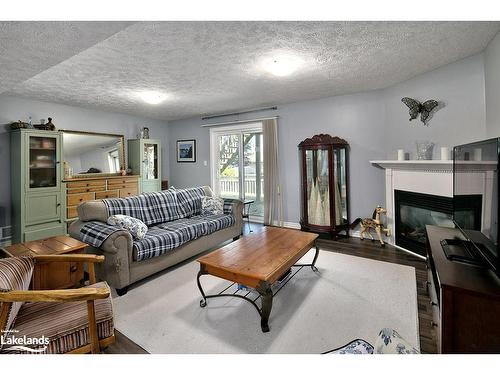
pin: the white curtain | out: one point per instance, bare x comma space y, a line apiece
273, 202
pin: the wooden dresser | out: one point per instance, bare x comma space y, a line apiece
465, 300
79, 190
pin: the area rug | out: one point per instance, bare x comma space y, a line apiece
350, 297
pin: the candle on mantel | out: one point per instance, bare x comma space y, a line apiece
401, 154
445, 153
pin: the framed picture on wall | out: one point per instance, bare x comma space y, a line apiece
186, 151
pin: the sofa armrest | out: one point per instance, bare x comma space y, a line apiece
117, 249
234, 207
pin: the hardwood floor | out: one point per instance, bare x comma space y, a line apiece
356, 247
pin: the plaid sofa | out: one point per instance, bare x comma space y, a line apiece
176, 231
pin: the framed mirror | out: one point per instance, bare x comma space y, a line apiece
87, 154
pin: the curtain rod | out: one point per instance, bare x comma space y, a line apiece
239, 121
273, 108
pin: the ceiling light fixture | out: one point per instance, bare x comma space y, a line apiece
282, 65
152, 97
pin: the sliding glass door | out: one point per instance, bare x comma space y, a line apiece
238, 164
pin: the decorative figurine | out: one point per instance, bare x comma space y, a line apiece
50, 125
374, 223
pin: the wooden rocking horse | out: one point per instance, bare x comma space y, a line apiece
374, 223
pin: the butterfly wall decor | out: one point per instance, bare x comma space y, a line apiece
424, 108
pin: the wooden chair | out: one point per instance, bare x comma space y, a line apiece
47, 304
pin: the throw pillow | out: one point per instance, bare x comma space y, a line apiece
212, 205
15, 274
134, 226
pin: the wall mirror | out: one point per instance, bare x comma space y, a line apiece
86, 154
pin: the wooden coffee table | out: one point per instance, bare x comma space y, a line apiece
258, 261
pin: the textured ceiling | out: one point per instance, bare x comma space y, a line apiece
210, 67
28, 48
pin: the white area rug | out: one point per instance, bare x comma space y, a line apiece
350, 298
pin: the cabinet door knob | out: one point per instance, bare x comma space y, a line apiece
433, 324
72, 269
432, 303
58, 205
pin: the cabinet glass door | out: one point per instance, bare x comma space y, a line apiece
339, 169
42, 162
318, 195
150, 161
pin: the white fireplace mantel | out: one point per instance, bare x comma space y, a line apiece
434, 177
415, 165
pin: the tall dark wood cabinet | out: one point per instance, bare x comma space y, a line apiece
324, 162
465, 300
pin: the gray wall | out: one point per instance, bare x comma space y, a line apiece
374, 123
358, 118
492, 79
462, 119
67, 117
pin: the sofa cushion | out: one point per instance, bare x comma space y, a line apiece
189, 201
15, 274
168, 236
158, 241
165, 206
137, 206
134, 226
217, 222
64, 324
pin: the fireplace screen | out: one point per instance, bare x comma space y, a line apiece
414, 219
413, 212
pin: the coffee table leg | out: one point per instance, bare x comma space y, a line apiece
313, 267
203, 302
266, 295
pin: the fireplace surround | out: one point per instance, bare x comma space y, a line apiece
432, 178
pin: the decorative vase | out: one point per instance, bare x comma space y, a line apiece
424, 150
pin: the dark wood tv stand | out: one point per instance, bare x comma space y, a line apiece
465, 300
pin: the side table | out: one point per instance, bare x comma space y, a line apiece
54, 275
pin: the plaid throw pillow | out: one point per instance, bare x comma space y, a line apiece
15, 274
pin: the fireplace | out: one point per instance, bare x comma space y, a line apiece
413, 211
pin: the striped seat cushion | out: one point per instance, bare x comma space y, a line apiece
168, 236
15, 274
217, 222
64, 324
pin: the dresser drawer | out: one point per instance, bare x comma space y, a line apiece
121, 181
85, 184
128, 192
76, 199
71, 212
85, 189
123, 186
107, 194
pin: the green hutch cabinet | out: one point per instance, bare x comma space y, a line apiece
36, 187
144, 158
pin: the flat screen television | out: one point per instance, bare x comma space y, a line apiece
475, 202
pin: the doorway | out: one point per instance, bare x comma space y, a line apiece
237, 165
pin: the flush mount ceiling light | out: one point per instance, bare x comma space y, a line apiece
282, 64
152, 97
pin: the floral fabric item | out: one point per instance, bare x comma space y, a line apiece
391, 342
212, 205
357, 346
134, 226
